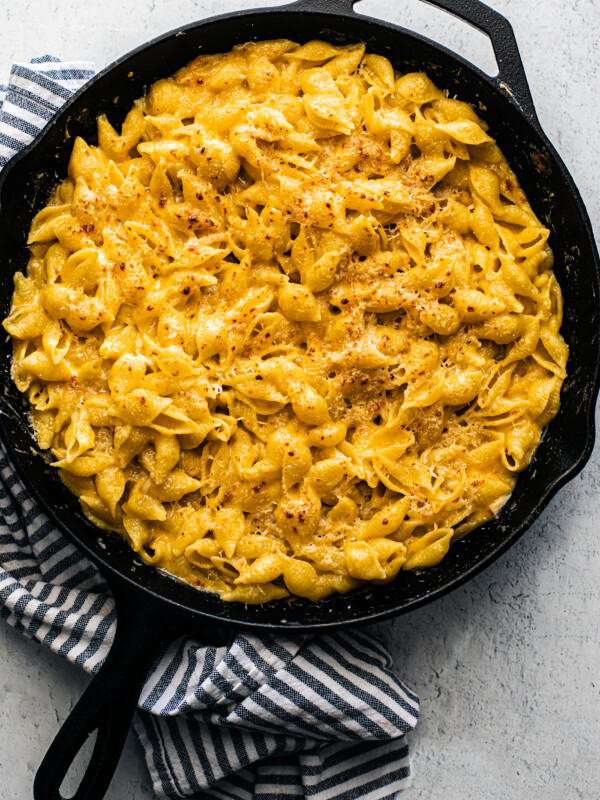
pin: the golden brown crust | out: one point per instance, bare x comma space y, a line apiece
294, 328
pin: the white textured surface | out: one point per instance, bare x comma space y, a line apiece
508, 666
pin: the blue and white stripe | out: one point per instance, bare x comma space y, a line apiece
35, 91
259, 718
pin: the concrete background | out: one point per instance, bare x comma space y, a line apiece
508, 666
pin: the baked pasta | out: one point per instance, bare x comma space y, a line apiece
294, 327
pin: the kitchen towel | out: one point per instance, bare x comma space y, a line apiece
259, 718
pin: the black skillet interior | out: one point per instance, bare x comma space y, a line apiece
568, 440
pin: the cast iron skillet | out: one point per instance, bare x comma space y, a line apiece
152, 608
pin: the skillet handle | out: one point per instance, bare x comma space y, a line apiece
110, 700
511, 78
511, 72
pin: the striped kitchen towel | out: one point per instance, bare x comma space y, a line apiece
258, 718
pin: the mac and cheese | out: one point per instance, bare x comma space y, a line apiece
294, 327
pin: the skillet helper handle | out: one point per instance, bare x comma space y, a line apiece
511, 78
109, 702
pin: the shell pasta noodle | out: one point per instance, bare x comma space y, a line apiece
294, 327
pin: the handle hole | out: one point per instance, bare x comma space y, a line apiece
77, 768
436, 24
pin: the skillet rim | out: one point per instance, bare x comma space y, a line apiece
112, 573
